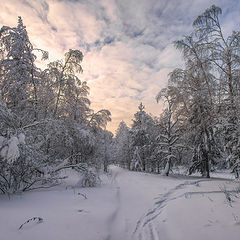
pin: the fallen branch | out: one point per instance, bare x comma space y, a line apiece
82, 194
38, 219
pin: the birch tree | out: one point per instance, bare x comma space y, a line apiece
168, 139
224, 54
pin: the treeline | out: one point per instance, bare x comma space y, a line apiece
46, 122
200, 126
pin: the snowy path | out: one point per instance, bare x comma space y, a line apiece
146, 227
177, 215
129, 205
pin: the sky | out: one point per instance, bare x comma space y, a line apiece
127, 44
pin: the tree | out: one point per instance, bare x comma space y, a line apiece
103, 147
77, 104
168, 139
18, 74
224, 54
223, 51
122, 149
99, 119
142, 136
190, 98
46, 124
63, 75
21, 166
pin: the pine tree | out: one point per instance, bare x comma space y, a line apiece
142, 136
18, 74
122, 147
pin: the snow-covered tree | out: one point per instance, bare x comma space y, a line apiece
65, 81
223, 52
18, 74
99, 119
46, 123
21, 165
142, 135
168, 138
191, 99
122, 148
103, 149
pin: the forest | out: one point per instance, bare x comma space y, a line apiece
47, 124
63, 175
199, 127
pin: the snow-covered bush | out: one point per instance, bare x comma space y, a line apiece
22, 166
46, 123
90, 178
19, 165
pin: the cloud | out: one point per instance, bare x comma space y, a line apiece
127, 44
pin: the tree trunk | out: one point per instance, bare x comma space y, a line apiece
236, 174
105, 165
167, 168
129, 165
205, 168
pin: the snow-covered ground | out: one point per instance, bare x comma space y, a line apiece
128, 205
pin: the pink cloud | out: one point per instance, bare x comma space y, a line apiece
130, 68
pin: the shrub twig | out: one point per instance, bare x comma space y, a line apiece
38, 219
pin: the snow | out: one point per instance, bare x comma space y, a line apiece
21, 138
128, 205
13, 151
10, 152
2, 140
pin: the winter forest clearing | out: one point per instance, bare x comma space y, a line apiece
63, 175
128, 205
